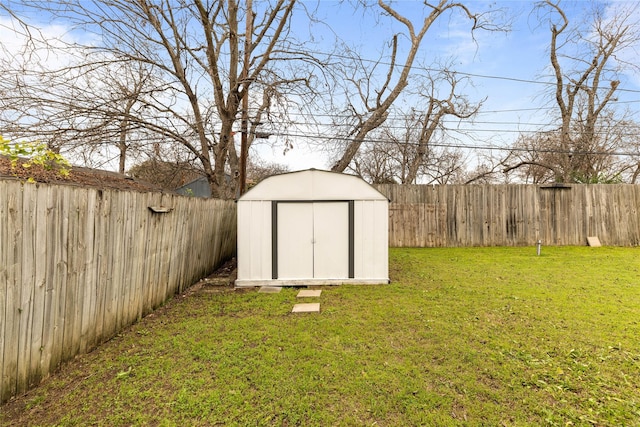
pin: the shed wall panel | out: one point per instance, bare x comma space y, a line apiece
380, 245
254, 239
331, 240
295, 240
371, 239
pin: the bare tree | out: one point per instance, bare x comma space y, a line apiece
369, 103
396, 148
258, 169
586, 66
414, 148
82, 108
108, 105
379, 162
167, 175
612, 156
485, 172
431, 121
210, 59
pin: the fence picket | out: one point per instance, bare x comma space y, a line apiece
4, 275
77, 265
512, 215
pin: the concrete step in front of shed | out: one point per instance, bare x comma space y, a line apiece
307, 307
313, 307
305, 293
309, 293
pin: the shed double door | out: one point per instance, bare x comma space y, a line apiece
312, 240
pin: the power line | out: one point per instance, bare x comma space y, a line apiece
311, 119
517, 127
540, 126
462, 73
468, 146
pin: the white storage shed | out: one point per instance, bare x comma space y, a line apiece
312, 227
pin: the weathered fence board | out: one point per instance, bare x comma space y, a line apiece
77, 265
512, 215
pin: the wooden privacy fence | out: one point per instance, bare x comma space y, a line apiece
77, 265
512, 215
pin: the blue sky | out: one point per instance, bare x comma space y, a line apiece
505, 68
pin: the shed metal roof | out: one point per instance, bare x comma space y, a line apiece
313, 184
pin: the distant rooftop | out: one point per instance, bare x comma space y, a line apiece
78, 176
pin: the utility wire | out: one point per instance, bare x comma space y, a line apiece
462, 73
467, 146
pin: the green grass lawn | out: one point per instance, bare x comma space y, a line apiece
469, 336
